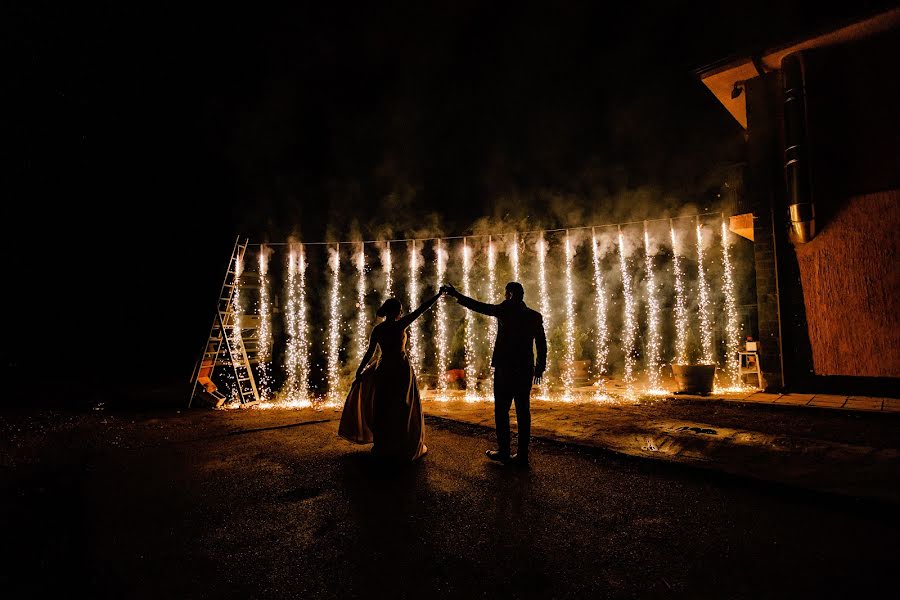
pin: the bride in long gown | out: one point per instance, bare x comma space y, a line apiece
383, 405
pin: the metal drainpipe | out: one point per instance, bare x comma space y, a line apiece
801, 209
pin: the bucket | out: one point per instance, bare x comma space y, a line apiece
694, 379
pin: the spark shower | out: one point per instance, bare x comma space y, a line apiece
620, 303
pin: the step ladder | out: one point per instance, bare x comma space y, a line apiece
748, 363
225, 349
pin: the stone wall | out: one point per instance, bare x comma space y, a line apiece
851, 285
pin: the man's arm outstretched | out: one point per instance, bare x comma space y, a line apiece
492, 310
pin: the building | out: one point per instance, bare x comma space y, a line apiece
822, 185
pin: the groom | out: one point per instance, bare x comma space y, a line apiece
514, 368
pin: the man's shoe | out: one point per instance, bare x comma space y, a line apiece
519, 460
502, 457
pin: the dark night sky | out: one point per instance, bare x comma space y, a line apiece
138, 138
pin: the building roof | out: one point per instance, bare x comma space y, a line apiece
723, 77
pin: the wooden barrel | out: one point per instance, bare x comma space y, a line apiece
694, 379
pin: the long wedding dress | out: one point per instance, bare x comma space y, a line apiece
383, 405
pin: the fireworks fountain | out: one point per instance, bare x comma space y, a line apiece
334, 326
387, 266
362, 322
602, 333
302, 329
652, 348
568, 375
629, 326
491, 291
441, 324
415, 341
236, 332
296, 389
236, 305
469, 324
681, 319
706, 333
264, 332
545, 298
292, 349
732, 332
514, 257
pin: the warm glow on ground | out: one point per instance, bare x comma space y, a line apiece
612, 392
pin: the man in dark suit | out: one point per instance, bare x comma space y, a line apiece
519, 330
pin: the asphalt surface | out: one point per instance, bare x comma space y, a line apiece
225, 505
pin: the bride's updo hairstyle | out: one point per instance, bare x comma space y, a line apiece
390, 309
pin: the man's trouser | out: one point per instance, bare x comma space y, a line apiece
513, 385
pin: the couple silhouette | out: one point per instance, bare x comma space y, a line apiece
384, 408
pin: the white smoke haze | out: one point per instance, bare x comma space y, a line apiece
334, 257
263, 258
578, 238
710, 233
685, 236
659, 237
607, 240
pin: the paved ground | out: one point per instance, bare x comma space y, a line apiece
827, 401
272, 504
853, 453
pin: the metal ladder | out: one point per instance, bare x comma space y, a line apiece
221, 339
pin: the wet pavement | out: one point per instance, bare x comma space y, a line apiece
272, 504
852, 453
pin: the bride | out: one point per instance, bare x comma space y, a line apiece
383, 404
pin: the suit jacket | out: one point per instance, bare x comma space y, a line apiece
519, 329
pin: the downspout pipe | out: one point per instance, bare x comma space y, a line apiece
801, 208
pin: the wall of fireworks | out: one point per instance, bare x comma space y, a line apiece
624, 300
